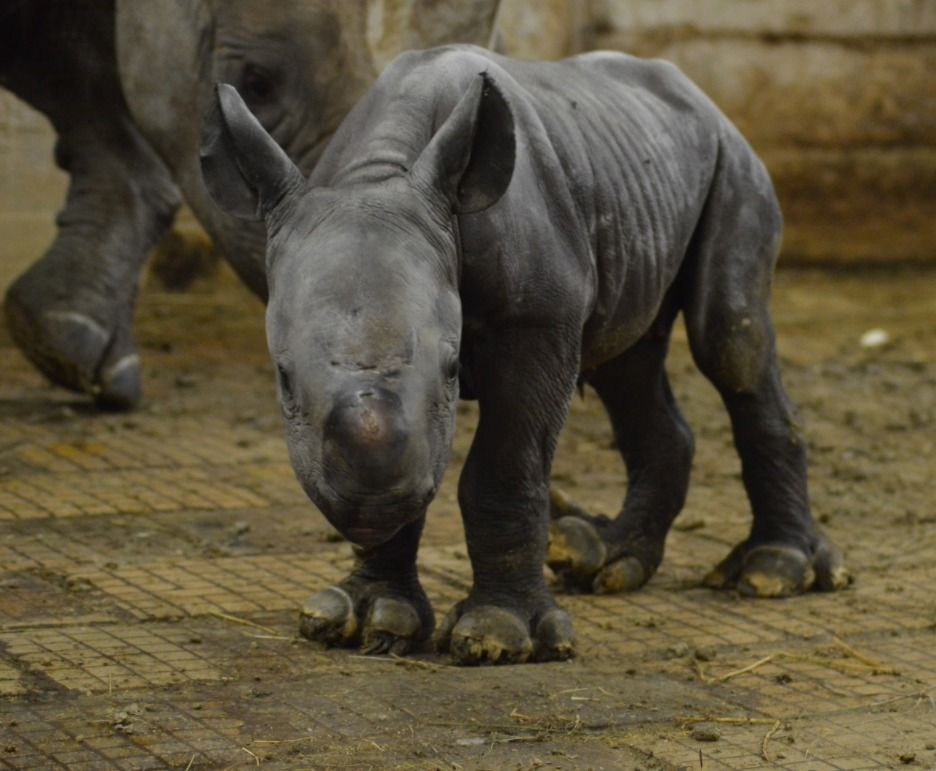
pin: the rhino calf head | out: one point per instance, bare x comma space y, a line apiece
364, 315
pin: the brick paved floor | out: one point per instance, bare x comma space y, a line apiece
151, 566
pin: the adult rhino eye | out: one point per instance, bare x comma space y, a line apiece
451, 369
257, 85
285, 385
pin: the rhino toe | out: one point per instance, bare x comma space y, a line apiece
392, 626
117, 380
555, 636
328, 617
490, 635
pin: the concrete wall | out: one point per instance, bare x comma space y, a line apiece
838, 97
32, 189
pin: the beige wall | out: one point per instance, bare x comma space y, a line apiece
31, 187
838, 96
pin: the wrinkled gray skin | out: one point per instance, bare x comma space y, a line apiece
544, 223
124, 84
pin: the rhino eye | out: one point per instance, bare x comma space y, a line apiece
257, 85
285, 386
451, 369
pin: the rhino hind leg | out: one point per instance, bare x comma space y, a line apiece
602, 555
380, 607
732, 340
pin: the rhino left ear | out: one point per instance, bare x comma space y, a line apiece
470, 160
244, 169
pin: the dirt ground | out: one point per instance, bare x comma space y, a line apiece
151, 566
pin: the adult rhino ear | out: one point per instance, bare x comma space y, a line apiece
244, 169
470, 160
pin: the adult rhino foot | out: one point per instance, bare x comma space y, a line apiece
356, 613
491, 634
587, 555
73, 349
780, 570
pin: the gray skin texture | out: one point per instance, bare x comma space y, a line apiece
124, 84
545, 223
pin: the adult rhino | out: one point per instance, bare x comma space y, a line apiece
124, 84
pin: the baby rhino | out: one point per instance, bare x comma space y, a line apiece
504, 231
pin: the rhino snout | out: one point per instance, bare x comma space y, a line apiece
370, 452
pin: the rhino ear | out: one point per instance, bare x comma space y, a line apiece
244, 169
470, 160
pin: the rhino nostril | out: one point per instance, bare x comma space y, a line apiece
372, 427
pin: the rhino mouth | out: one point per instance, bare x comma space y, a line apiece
369, 520
370, 536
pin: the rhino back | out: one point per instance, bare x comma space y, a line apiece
615, 159
639, 145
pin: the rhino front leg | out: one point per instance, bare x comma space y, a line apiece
71, 312
381, 606
524, 393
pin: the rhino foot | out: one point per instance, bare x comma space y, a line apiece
780, 570
73, 349
585, 559
355, 614
491, 634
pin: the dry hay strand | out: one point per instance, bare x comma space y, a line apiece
862, 664
243, 622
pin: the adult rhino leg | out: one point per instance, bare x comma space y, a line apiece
380, 606
595, 553
71, 312
732, 340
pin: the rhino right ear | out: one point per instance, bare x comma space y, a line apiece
245, 171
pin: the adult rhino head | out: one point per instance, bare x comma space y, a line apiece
364, 314
123, 83
300, 66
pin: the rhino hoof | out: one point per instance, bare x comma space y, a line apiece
119, 389
382, 625
391, 627
328, 617
488, 634
623, 575
555, 637
70, 348
778, 570
576, 549
579, 556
